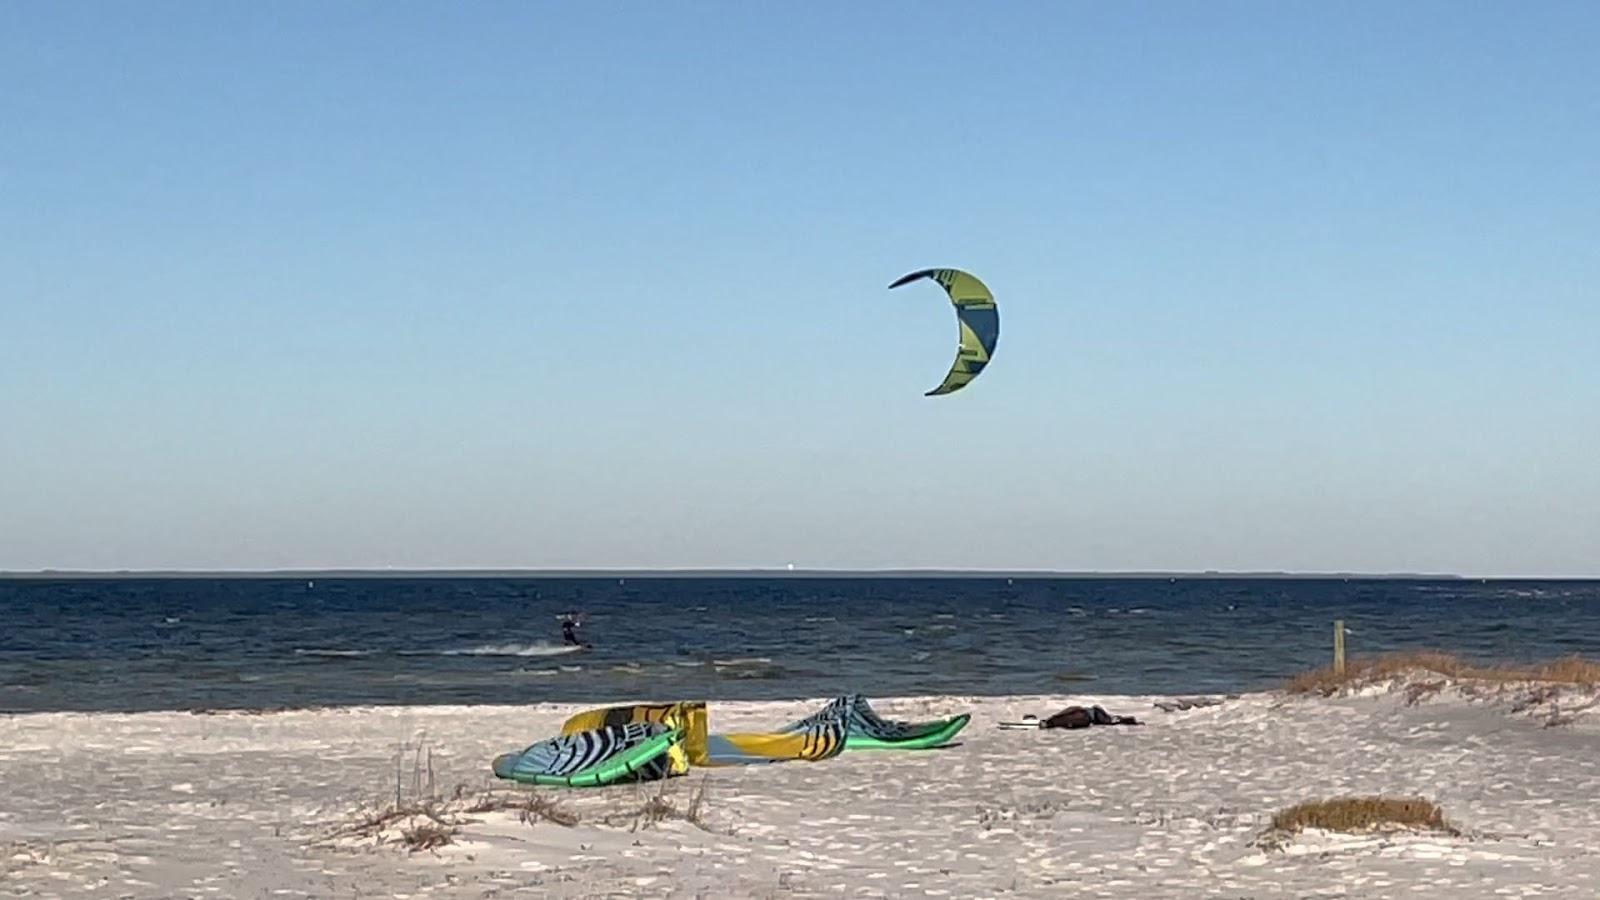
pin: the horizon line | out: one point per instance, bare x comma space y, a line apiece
729, 571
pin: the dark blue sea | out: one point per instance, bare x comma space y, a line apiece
216, 643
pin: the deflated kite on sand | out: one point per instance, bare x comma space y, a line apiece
643, 742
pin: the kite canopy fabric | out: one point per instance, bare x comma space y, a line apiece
866, 730
688, 718
649, 741
817, 740
977, 319
606, 755
820, 740
846, 723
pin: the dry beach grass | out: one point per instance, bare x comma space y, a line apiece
427, 820
1352, 814
1362, 671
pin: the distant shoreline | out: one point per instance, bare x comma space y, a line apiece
1029, 574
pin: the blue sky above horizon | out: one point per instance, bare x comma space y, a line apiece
497, 285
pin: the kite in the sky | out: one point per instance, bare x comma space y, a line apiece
978, 318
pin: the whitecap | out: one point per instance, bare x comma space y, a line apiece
534, 649
330, 653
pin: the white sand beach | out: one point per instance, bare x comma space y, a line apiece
234, 805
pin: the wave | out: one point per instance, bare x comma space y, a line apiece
752, 667
331, 654
534, 649
743, 661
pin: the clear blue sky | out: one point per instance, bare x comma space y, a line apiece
1286, 286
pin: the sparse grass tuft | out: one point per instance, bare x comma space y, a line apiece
1356, 815
1363, 814
425, 824
426, 836
1572, 670
657, 808
422, 824
531, 807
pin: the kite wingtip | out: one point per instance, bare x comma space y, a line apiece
907, 279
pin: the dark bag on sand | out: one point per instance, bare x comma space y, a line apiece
1079, 717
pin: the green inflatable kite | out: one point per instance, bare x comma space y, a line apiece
977, 317
642, 751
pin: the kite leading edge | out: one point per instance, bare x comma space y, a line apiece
977, 318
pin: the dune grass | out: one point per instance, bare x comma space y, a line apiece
1357, 815
1573, 670
425, 823
1354, 814
658, 807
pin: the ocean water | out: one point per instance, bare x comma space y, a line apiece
193, 643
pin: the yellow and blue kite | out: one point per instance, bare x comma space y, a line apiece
977, 317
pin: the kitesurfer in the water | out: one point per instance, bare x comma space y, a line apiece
569, 632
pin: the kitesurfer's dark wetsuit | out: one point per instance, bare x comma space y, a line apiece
1078, 717
567, 631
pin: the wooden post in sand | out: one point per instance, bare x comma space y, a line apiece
1338, 646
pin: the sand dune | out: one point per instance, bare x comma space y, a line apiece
239, 805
